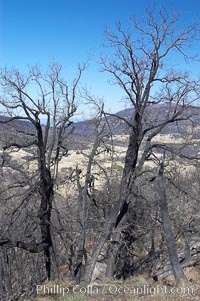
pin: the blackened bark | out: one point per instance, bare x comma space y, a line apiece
120, 207
46, 193
127, 181
80, 259
120, 261
133, 147
122, 212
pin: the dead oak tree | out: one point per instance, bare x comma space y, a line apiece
46, 102
139, 66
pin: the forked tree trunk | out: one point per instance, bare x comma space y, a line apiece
120, 207
168, 233
106, 232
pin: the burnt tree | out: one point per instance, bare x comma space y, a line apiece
139, 66
46, 103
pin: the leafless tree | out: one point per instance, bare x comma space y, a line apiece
47, 103
139, 65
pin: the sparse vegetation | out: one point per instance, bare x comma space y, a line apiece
110, 203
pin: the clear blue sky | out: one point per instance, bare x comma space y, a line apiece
71, 31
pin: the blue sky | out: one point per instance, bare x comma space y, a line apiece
71, 31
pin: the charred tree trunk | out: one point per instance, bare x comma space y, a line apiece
117, 240
120, 207
168, 233
80, 256
120, 261
46, 193
127, 181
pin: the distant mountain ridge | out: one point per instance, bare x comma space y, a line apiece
153, 114
16, 122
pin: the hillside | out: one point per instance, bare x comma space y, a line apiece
20, 123
153, 115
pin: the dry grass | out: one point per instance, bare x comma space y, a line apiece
169, 138
193, 274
